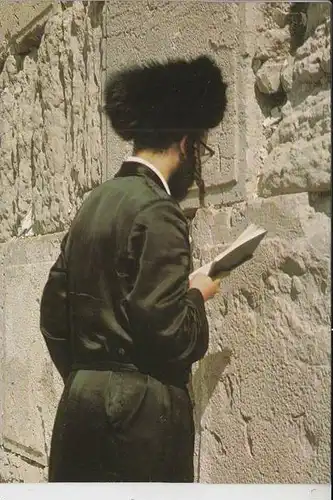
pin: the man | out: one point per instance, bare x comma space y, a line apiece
122, 323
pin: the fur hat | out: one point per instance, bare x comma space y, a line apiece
177, 96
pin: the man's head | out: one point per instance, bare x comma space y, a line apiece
167, 110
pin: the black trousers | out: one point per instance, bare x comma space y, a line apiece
122, 426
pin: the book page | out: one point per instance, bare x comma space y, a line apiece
236, 256
238, 252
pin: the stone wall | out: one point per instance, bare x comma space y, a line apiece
263, 413
50, 156
263, 391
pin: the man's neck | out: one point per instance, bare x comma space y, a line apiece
163, 162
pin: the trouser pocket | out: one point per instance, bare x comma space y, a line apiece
124, 398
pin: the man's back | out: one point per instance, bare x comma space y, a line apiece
127, 238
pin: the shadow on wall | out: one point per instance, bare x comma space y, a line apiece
206, 378
297, 21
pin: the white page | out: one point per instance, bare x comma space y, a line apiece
239, 251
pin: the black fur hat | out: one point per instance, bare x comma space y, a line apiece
177, 96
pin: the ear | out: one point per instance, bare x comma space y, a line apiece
183, 145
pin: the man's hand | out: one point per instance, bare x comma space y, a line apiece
206, 285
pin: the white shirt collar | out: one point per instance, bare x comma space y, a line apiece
137, 159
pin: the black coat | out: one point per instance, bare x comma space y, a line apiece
123, 329
119, 289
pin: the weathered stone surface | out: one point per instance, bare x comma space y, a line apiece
265, 381
268, 77
300, 149
209, 223
272, 316
30, 379
279, 13
15, 16
287, 74
272, 44
50, 128
14, 469
309, 65
311, 59
22, 41
297, 167
2, 340
308, 120
317, 13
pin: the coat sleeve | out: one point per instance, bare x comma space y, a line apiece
165, 317
54, 321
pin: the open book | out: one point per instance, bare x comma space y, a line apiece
237, 253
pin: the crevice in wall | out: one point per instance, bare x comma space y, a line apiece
248, 437
321, 202
311, 437
308, 439
95, 12
219, 442
40, 411
270, 102
66, 4
62, 78
229, 388
297, 21
24, 458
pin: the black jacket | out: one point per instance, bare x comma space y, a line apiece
118, 292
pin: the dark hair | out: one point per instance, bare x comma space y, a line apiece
157, 104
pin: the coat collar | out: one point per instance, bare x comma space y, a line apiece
132, 167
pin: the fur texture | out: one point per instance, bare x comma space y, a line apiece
179, 96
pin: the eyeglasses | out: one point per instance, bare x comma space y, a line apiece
205, 152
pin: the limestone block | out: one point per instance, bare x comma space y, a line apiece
50, 129
309, 70
299, 149
305, 121
14, 469
265, 380
268, 77
29, 37
31, 385
302, 166
275, 214
272, 44
209, 227
312, 57
15, 16
287, 74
